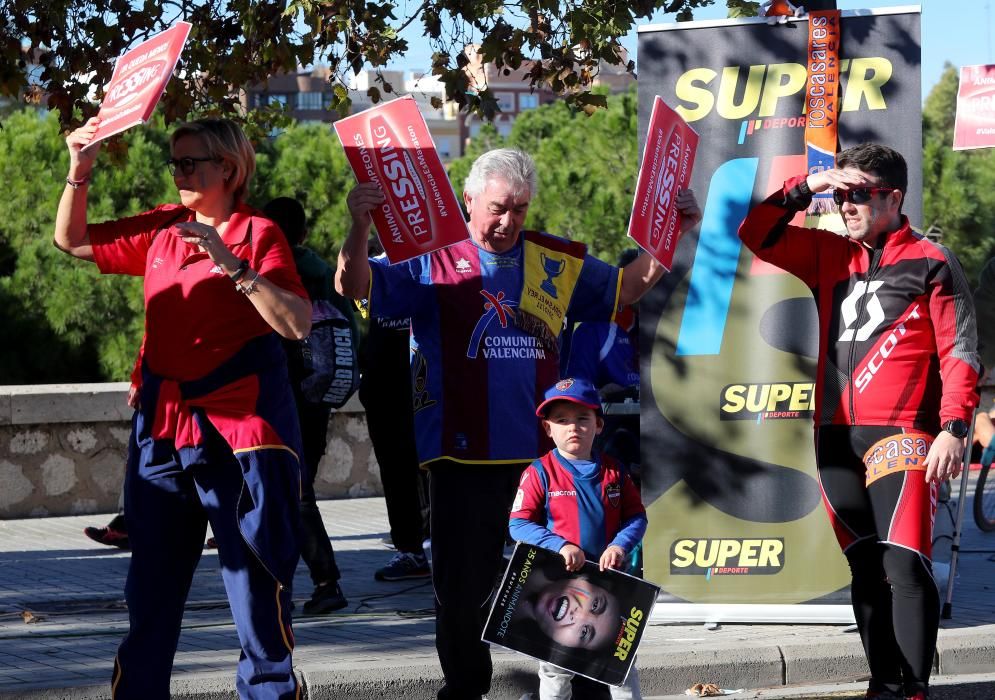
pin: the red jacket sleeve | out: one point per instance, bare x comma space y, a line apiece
767, 233
951, 308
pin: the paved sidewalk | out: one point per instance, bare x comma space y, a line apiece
382, 645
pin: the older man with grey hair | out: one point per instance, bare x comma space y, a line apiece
486, 316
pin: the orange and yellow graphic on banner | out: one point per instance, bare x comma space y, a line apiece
822, 96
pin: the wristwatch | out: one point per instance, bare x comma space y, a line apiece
956, 427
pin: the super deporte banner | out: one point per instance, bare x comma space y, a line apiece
728, 374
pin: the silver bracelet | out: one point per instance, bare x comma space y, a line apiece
249, 287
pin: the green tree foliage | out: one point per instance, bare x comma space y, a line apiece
958, 186
587, 172
586, 166
307, 162
69, 323
742, 8
240, 42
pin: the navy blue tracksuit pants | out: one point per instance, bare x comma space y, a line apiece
168, 509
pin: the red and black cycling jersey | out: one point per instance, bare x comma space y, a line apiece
897, 335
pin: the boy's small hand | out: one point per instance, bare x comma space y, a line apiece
573, 556
612, 558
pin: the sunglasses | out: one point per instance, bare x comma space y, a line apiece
858, 195
186, 165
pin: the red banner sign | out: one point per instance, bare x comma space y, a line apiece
391, 146
975, 123
666, 168
139, 79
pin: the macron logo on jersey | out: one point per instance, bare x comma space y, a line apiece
555, 494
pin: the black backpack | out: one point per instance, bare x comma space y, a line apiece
329, 362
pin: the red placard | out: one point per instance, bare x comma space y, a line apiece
975, 123
666, 168
139, 79
390, 145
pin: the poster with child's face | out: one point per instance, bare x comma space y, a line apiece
589, 622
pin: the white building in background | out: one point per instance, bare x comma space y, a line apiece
308, 95
514, 94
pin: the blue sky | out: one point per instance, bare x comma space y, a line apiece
963, 37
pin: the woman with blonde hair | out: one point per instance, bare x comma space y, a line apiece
215, 436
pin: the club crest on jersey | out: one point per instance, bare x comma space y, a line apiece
614, 493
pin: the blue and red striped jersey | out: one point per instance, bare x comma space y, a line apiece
557, 503
477, 376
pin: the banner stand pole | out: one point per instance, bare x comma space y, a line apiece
958, 525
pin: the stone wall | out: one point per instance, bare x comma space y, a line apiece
63, 448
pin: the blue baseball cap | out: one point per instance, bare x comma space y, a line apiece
575, 390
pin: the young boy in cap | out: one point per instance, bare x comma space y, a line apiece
579, 504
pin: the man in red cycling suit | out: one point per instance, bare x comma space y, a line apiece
897, 372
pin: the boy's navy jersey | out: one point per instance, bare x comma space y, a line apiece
556, 504
477, 376
897, 336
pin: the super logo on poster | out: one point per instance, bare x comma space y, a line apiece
765, 85
629, 634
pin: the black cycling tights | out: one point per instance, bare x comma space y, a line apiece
897, 606
884, 529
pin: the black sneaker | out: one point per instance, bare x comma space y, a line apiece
327, 597
404, 565
110, 536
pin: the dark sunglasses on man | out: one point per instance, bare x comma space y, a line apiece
185, 165
858, 195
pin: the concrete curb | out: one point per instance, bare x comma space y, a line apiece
805, 663
661, 673
667, 673
965, 651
